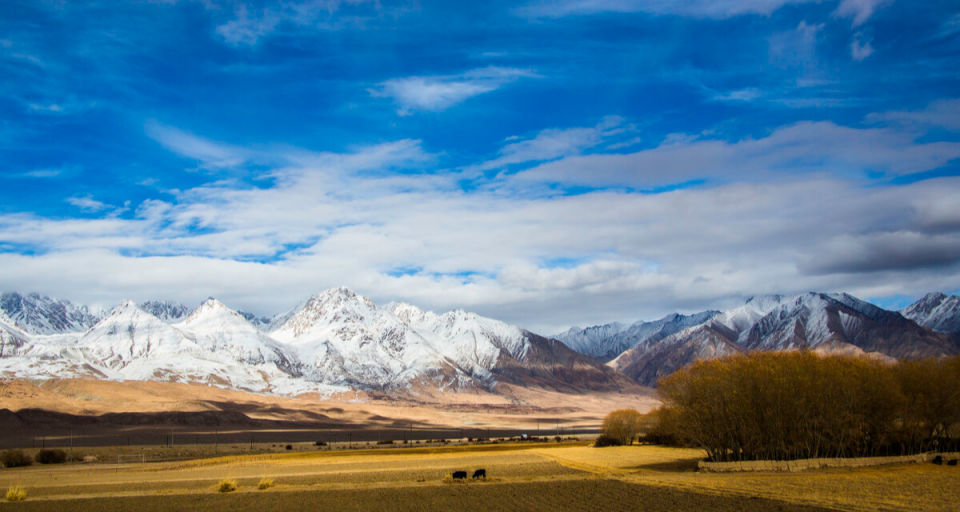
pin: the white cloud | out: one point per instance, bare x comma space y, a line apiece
859, 10
250, 24
210, 153
741, 95
87, 203
942, 113
860, 47
787, 153
551, 144
334, 219
435, 93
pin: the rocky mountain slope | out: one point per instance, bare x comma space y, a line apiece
39, 314
835, 323
936, 311
606, 342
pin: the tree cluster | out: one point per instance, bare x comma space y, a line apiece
620, 427
798, 405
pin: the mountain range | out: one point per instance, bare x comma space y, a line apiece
339, 341
336, 341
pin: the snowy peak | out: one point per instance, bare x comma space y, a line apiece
39, 314
129, 334
167, 311
606, 342
225, 332
936, 311
333, 306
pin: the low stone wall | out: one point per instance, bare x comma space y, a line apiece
804, 464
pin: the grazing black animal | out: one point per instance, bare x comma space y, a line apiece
480, 473
938, 460
952, 462
459, 475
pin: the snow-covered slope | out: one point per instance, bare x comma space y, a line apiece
595, 341
225, 332
39, 314
817, 321
936, 311
342, 337
606, 342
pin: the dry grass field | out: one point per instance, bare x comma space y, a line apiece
520, 477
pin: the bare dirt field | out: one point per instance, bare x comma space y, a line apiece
520, 477
105, 413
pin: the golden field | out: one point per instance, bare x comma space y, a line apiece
569, 476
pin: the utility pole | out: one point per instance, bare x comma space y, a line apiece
216, 442
71, 446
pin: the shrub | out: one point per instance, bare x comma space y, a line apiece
227, 485
265, 483
51, 456
320, 443
289, 446
558, 439
385, 441
622, 425
604, 441
16, 458
16, 493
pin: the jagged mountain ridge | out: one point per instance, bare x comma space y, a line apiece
834, 323
39, 314
936, 311
333, 342
590, 341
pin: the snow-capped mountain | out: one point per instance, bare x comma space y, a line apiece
221, 330
596, 341
168, 311
132, 344
936, 311
333, 342
606, 342
39, 314
824, 322
342, 337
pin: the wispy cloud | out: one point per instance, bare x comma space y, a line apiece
860, 47
210, 153
555, 143
741, 95
693, 8
941, 113
250, 23
436, 93
87, 203
859, 10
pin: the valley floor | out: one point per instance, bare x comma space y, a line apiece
571, 476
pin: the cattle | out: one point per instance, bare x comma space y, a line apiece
480, 473
952, 462
459, 475
938, 460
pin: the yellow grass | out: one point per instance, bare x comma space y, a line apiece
265, 483
538, 475
16, 493
227, 485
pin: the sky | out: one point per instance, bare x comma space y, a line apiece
545, 162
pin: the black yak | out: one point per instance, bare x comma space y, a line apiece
480, 473
459, 475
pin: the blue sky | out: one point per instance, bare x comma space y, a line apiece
548, 163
